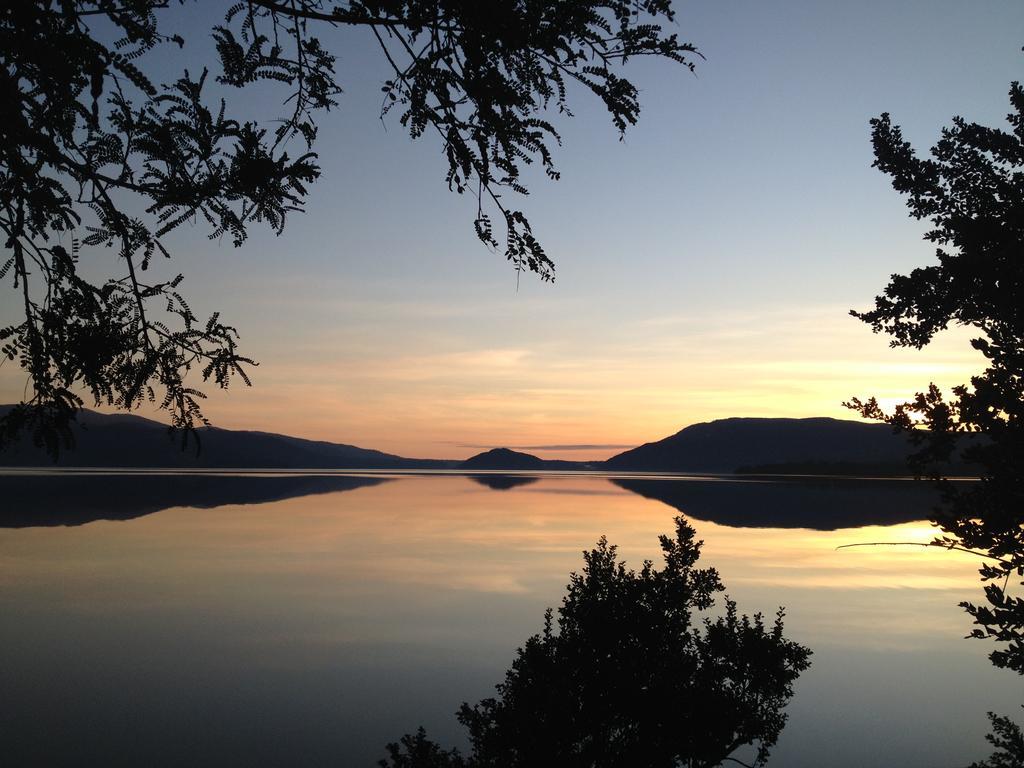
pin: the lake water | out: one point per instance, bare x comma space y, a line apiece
293, 619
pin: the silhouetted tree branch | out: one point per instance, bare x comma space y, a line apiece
971, 189
1008, 739
973, 193
95, 155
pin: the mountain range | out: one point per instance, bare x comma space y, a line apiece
760, 445
130, 441
738, 444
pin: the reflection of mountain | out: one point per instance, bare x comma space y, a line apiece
805, 503
825, 504
502, 482
44, 500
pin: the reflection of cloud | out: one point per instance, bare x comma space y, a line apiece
421, 545
406, 570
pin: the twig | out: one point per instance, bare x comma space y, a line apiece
920, 544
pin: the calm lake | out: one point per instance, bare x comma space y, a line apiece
307, 619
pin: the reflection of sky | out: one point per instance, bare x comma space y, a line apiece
319, 628
706, 263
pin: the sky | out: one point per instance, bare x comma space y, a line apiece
706, 263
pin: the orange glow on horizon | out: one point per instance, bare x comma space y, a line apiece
453, 406
609, 395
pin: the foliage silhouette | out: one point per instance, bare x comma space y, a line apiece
1008, 739
631, 677
417, 751
93, 145
972, 191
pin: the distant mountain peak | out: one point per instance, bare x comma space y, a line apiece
724, 445
503, 458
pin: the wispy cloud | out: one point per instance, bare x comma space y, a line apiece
556, 447
453, 393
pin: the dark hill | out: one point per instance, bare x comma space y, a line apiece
126, 440
728, 444
507, 459
503, 458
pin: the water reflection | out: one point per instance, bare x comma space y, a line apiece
74, 498
497, 482
825, 504
820, 503
313, 629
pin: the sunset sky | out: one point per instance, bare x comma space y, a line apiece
705, 264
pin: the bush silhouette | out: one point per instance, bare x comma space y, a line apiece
627, 675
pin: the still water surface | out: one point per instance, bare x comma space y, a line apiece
267, 620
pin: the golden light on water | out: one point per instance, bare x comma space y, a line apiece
413, 593
439, 536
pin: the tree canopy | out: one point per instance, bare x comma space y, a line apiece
628, 675
1008, 740
98, 155
971, 189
